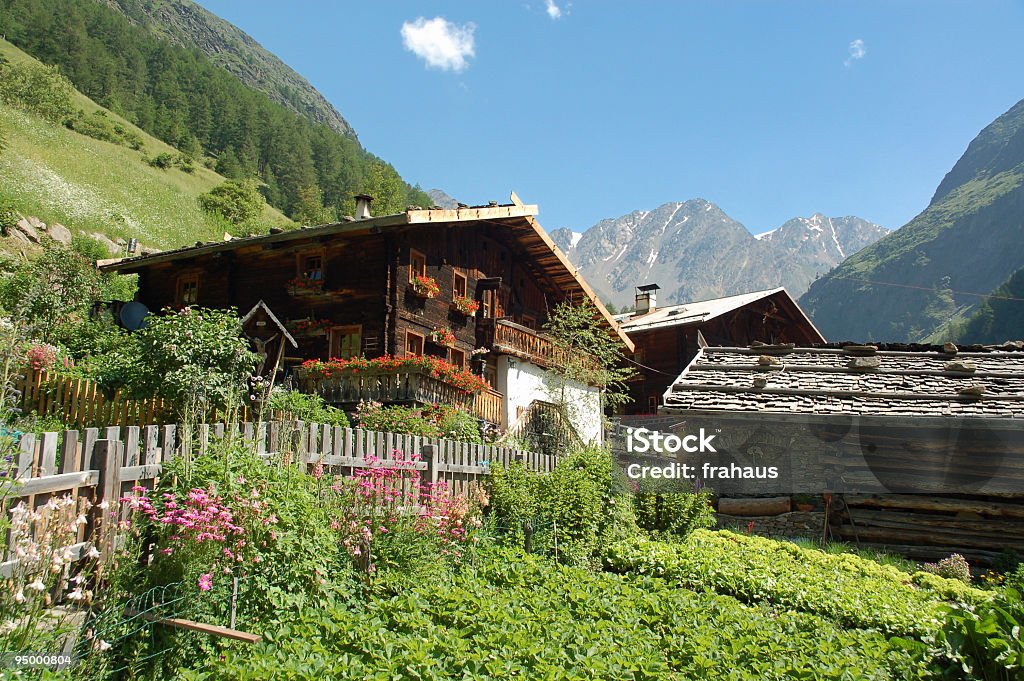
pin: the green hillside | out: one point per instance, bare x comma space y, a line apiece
178, 94
1000, 318
922, 280
90, 185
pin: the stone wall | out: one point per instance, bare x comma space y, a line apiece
796, 524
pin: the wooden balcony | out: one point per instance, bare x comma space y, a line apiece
508, 338
347, 388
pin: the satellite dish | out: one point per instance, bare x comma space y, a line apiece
133, 316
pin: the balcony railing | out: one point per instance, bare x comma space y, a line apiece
508, 338
348, 387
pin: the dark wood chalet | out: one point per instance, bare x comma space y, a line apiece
666, 339
351, 288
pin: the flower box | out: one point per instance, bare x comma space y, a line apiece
442, 336
424, 287
300, 286
465, 306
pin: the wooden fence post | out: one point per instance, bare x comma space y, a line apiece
106, 458
430, 455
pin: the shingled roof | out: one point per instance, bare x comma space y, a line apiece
855, 379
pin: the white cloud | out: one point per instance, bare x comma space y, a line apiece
554, 11
857, 51
439, 42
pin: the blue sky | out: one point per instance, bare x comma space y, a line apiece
769, 108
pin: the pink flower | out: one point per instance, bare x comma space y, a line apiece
206, 582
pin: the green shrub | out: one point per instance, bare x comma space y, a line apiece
196, 359
306, 407
267, 525
437, 420
8, 217
37, 88
238, 202
569, 508
984, 640
850, 590
99, 125
667, 511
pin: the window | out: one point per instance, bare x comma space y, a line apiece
311, 267
457, 357
413, 344
417, 264
459, 285
652, 404
487, 303
188, 289
529, 322
346, 341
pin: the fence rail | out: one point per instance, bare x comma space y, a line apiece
103, 464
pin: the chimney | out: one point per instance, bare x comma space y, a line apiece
363, 202
646, 298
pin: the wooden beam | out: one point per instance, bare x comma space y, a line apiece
212, 629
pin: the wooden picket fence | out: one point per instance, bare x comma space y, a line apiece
81, 403
104, 464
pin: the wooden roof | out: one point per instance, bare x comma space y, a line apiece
699, 312
545, 259
931, 381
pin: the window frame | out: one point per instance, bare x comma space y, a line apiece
415, 256
451, 357
340, 331
301, 268
458, 276
182, 281
422, 339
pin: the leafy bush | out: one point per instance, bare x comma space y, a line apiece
99, 125
165, 160
984, 641
667, 511
57, 288
517, 616
8, 217
238, 202
306, 407
37, 88
951, 567
574, 504
196, 359
852, 591
437, 420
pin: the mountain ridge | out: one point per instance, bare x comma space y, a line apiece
925, 279
188, 24
695, 251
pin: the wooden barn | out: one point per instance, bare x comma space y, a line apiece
920, 448
472, 286
666, 338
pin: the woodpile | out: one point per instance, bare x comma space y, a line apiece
982, 529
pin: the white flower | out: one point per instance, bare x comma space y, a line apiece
102, 645
92, 552
37, 585
20, 596
76, 595
104, 505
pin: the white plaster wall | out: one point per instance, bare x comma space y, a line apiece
524, 384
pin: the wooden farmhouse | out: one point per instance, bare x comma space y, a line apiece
666, 339
921, 447
472, 286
